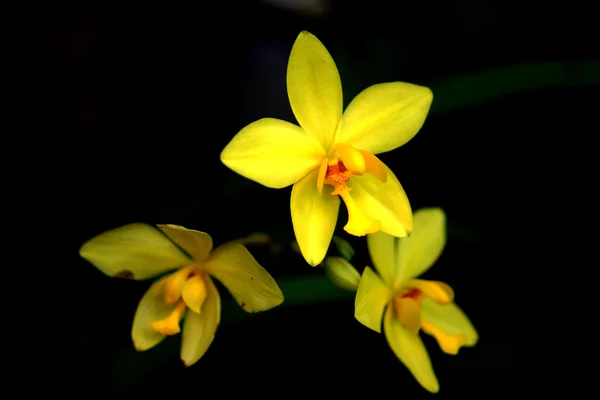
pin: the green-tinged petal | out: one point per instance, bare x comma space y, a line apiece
371, 298
194, 292
342, 273
383, 251
440, 292
197, 244
249, 283
455, 328
409, 348
136, 251
314, 88
314, 217
272, 152
385, 116
152, 308
421, 250
383, 202
199, 329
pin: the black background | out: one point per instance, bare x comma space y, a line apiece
130, 113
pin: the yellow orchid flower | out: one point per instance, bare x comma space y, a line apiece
331, 155
412, 304
140, 251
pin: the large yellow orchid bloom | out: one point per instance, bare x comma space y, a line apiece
331, 155
140, 251
411, 304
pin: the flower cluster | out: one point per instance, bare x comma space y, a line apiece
331, 155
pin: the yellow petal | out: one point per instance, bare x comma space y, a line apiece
408, 312
199, 329
450, 320
383, 202
174, 285
272, 152
359, 223
151, 308
342, 273
197, 244
314, 217
422, 249
385, 116
352, 158
373, 165
384, 255
314, 88
249, 283
170, 325
371, 298
409, 348
437, 291
450, 344
136, 251
321, 175
194, 292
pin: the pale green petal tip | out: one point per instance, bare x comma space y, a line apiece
342, 273
433, 212
86, 251
95, 258
434, 387
305, 35
313, 261
472, 337
134, 251
429, 94
427, 97
276, 298
145, 346
83, 252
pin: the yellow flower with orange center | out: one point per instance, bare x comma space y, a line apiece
408, 305
331, 155
140, 251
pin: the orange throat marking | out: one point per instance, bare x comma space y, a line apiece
414, 294
337, 175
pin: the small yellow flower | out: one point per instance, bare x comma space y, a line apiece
331, 154
412, 304
140, 251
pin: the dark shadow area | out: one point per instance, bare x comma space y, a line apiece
128, 120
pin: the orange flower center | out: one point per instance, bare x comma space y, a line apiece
341, 164
185, 288
407, 303
337, 175
414, 294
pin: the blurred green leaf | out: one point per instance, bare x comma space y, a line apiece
463, 91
